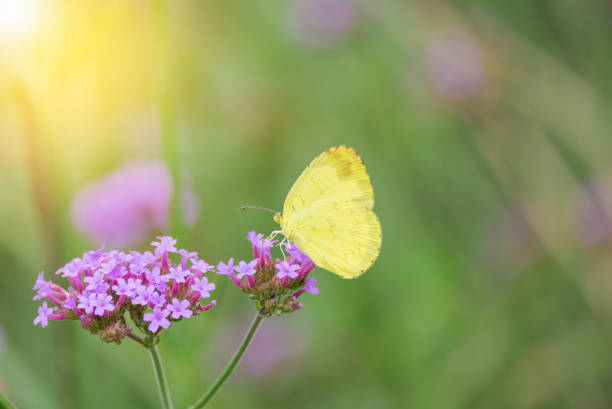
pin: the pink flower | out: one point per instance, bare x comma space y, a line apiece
322, 23
202, 286
157, 318
246, 269
43, 315
164, 244
180, 308
310, 285
125, 206
456, 66
190, 205
226, 269
285, 269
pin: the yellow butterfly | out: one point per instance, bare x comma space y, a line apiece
328, 213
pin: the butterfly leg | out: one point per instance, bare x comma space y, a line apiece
280, 246
274, 234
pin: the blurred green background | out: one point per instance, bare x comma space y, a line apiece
485, 126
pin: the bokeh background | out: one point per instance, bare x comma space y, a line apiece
486, 129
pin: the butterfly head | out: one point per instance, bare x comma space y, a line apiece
278, 217
285, 231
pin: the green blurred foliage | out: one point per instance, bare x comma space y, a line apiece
486, 293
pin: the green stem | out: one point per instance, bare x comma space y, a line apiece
5, 403
138, 339
230, 367
160, 377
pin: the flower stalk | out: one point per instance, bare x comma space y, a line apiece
5, 403
231, 366
160, 377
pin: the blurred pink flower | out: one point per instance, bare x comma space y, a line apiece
276, 344
456, 66
592, 210
190, 206
509, 246
123, 208
322, 23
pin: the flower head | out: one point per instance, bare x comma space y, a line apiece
274, 284
108, 285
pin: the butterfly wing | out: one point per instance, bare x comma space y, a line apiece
328, 213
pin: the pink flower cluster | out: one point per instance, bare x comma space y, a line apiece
149, 286
274, 284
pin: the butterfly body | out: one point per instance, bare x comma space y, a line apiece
328, 213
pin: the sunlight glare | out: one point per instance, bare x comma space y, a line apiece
17, 17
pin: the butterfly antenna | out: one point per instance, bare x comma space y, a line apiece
258, 208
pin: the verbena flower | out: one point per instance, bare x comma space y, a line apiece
274, 284
110, 289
